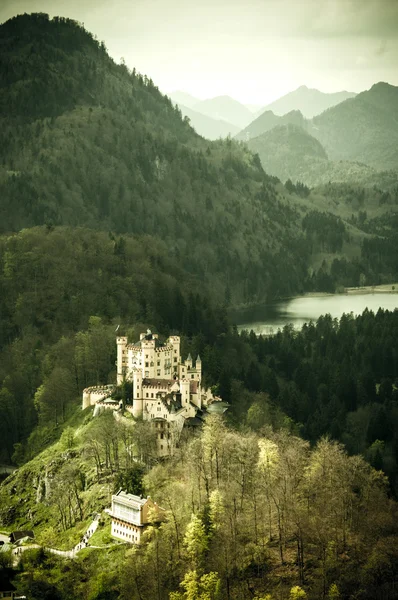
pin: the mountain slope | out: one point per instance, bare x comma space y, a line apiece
268, 120
364, 128
211, 129
118, 156
226, 109
289, 152
309, 102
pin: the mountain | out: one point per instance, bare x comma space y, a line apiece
268, 120
364, 128
209, 128
290, 152
309, 102
179, 97
284, 150
225, 108
104, 149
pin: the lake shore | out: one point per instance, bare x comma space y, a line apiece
390, 288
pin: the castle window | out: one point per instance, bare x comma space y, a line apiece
159, 408
147, 364
158, 372
192, 376
175, 359
161, 436
175, 351
147, 395
151, 394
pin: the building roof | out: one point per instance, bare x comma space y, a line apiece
130, 498
18, 535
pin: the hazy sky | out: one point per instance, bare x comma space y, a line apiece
252, 50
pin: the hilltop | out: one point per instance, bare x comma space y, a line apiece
268, 120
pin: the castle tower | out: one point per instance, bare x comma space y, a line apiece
138, 397
121, 364
175, 358
184, 389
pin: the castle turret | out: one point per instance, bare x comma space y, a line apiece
121, 364
188, 362
138, 402
198, 365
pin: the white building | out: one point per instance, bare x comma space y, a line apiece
131, 514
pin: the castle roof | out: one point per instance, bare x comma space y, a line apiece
157, 382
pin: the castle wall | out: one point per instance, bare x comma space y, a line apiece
95, 394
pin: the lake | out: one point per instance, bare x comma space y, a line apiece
297, 311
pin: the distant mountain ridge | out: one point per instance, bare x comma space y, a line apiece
361, 130
183, 98
290, 152
208, 127
267, 121
214, 117
225, 108
310, 102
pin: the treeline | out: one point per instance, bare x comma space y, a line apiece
249, 515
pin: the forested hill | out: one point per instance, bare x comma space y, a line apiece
86, 142
364, 128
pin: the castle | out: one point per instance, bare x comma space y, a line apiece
166, 390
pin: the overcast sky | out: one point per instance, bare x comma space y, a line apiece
252, 50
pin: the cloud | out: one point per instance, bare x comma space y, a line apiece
353, 18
